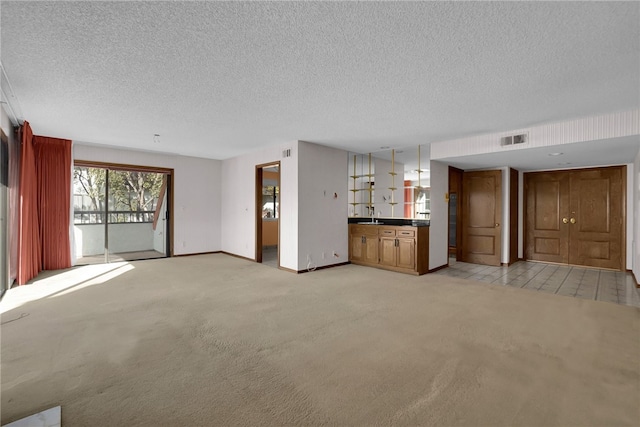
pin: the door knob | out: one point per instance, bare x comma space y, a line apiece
573, 220
565, 220
497, 224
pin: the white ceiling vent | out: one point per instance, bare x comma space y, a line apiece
514, 139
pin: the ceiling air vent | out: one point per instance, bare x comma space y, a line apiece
513, 139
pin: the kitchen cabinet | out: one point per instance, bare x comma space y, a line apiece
363, 244
399, 248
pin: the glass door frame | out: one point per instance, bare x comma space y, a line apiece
169, 172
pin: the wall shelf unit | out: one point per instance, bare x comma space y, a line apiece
393, 187
362, 186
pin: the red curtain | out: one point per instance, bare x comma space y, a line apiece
45, 192
53, 169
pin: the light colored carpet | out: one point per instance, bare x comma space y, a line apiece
215, 340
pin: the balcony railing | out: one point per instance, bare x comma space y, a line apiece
115, 217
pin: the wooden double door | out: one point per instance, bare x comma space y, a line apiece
576, 217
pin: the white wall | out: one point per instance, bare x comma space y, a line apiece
520, 215
196, 193
238, 206
506, 220
439, 229
322, 218
312, 221
197, 203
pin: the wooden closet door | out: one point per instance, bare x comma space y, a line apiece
547, 217
481, 217
597, 217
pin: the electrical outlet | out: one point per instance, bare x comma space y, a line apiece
323, 255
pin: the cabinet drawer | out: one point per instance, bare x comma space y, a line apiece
387, 232
407, 233
364, 229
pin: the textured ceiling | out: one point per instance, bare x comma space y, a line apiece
219, 79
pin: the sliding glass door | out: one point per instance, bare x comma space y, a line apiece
120, 214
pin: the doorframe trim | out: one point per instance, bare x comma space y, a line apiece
258, 201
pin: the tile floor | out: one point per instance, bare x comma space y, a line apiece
601, 285
270, 256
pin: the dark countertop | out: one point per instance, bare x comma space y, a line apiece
391, 221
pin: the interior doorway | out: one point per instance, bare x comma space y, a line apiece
477, 207
121, 213
268, 214
481, 206
455, 214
